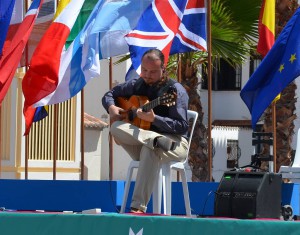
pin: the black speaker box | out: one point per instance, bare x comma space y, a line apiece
248, 195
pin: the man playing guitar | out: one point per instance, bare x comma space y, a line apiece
149, 120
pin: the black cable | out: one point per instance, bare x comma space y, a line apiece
201, 215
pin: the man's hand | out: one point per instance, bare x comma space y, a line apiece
115, 113
146, 116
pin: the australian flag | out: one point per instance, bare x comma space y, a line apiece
173, 26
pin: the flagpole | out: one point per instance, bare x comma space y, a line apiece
0, 139
82, 135
274, 135
55, 137
179, 78
26, 157
209, 145
27, 136
111, 150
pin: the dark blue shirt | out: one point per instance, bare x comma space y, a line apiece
168, 119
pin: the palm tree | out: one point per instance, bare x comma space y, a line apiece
234, 31
285, 106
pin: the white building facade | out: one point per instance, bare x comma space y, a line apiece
232, 145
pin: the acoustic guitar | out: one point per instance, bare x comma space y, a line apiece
130, 105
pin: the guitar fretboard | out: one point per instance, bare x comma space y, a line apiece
152, 104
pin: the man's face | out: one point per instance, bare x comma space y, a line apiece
151, 70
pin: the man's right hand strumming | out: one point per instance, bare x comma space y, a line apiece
115, 113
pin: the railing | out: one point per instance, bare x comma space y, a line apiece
5, 126
41, 137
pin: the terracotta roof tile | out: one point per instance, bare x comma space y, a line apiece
93, 122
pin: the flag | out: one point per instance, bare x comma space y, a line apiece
266, 30
176, 26
6, 10
80, 62
12, 55
15, 22
266, 27
280, 67
84, 14
49, 51
62, 5
131, 74
42, 112
41, 24
122, 19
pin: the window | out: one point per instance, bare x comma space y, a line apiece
225, 77
254, 63
233, 153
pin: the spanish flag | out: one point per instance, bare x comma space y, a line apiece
266, 30
266, 27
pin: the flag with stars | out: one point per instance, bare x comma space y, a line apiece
280, 67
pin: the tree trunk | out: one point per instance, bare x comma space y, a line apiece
198, 155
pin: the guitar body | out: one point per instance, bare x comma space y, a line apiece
131, 105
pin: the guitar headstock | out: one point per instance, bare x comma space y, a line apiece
168, 98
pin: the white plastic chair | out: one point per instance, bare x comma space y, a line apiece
293, 172
164, 179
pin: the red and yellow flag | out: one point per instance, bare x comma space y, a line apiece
266, 30
266, 27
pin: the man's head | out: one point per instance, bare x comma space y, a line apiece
152, 67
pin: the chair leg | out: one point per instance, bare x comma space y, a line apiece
126, 190
185, 193
167, 190
156, 195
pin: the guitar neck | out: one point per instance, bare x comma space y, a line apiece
150, 105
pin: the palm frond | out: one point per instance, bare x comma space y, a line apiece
122, 59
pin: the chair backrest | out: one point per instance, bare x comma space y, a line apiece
296, 161
191, 115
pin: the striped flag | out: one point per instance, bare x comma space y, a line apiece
6, 10
266, 30
42, 112
12, 55
45, 61
101, 37
266, 27
15, 22
42, 23
84, 14
176, 26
